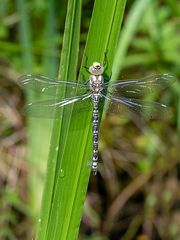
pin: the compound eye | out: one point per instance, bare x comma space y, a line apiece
96, 65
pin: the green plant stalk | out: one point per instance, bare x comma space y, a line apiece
43, 129
39, 133
127, 34
34, 152
49, 60
68, 171
48, 222
25, 35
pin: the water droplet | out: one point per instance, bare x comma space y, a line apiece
62, 174
163, 105
57, 148
39, 220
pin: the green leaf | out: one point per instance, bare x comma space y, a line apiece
129, 29
68, 168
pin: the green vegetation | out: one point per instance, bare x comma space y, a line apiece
68, 171
136, 192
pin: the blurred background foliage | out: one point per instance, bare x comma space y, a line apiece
136, 195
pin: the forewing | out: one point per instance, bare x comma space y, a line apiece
135, 88
54, 108
49, 86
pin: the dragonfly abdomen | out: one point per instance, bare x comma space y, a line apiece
95, 134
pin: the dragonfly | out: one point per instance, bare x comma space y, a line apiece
91, 95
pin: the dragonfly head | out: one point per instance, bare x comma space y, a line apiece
96, 69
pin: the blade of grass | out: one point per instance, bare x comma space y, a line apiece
43, 129
25, 35
48, 223
68, 171
37, 133
127, 34
99, 40
50, 63
79, 156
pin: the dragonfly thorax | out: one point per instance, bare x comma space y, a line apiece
96, 83
96, 79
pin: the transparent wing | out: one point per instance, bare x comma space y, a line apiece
48, 86
139, 87
54, 108
146, 109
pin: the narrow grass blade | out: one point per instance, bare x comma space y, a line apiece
49, 60
103, 34
25, 35
53, 213
71, 150
127, 34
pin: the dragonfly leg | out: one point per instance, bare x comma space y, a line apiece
83, 77
110, 75
85, 63
107, 79
105, 62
